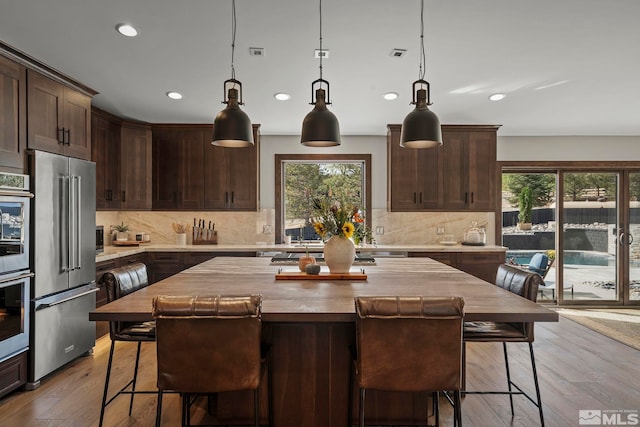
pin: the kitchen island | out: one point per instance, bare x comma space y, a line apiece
311, 324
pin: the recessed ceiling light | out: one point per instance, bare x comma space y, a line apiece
497, 97
127, 30
281, 96
174, 95
390, 96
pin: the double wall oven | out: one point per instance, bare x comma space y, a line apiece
15, 276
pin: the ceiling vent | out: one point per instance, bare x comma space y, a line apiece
398, 53
324, 53
256, 51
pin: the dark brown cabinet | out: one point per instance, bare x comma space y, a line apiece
481, 264
59, 117
105, 152
178, 167
415, 177
13, 129
13, 373
135, 166
457, 176
469, 158
231, 176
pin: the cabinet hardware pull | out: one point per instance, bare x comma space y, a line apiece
67, 140
414, 197
124, 196
472, 197
232, 197
466, 197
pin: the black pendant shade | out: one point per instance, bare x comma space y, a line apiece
421, 127
232, 127
320, 127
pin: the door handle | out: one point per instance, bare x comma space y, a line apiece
67, 139
124, 196
232, 197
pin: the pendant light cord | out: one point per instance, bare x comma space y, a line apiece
423, 61
321, 51
233, 36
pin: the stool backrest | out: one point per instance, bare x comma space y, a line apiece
208, 344
523, 283
122, 281
409, 343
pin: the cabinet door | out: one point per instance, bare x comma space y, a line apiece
77, 124
192, 174
167, 158
414, 175
243, 178
455, 195
12, 114
135, 167
105, 149
216, 193
483, 265
402, 163
44, 113
482, 161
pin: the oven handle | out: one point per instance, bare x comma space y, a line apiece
16, 193
17, 278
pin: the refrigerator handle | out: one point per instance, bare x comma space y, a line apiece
52, 304
65, 223
78, 221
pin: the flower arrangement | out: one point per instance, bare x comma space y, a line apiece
335, 218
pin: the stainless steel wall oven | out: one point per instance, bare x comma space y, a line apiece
15, 276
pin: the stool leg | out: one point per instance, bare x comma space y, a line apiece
256, 408
350, 397
506, 364
361, 407
270, 391
457, 420
159, 409
135, 377
436, 407
535, 380
106, 383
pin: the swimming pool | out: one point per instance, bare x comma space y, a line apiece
570, 257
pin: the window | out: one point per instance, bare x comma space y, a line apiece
301, 178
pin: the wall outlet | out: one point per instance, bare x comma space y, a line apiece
379, 230
266, 229
440, 230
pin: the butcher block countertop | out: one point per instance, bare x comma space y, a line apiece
112, 252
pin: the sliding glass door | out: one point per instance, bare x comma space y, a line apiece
589, 258
630, 240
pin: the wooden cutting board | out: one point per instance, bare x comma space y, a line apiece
293, 275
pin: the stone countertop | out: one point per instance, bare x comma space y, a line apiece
112, 252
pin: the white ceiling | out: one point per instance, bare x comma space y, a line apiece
569, 67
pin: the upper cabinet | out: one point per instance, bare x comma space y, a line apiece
457, 176
469, 165
178, 166
105, 152
58, 117
13, 129
414, 175
232, 176
135, 166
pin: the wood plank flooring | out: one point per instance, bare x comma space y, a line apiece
577, 368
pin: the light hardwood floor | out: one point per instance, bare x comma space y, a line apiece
578, 369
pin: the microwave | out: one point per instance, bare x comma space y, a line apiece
99, 239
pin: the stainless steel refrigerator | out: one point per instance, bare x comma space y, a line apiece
63, 260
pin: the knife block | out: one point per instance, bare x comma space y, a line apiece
211, 241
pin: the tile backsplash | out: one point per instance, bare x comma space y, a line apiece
248, 227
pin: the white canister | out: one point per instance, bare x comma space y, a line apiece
181, 239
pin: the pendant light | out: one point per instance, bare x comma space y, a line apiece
232, 127
320, 127
421, 127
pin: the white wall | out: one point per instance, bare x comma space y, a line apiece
568, 148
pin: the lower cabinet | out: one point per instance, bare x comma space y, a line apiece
483, 265
13, 373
